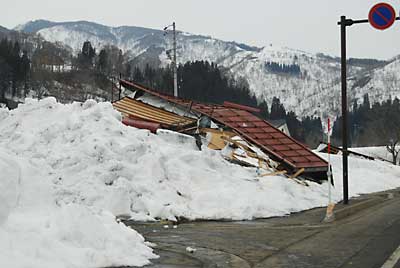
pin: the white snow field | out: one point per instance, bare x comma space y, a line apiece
67, 170
378, 152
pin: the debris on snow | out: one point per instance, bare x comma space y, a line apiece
191, 250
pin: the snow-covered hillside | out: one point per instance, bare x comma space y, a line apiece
316, 85
380, 84
67, 170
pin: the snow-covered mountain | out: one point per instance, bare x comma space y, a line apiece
306, 83
380, 83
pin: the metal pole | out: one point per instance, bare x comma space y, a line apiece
174, 63
344, 109
343, 24
112, 89
120, 89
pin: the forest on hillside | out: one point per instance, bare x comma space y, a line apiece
38, 68
371, 124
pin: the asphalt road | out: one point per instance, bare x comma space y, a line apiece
364, 239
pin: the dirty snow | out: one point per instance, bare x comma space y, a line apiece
67, 170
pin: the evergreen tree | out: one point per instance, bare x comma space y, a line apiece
120, 62
128, 70
277, 109
137, 75
86, 57
103, 61
15, 61
149, 75
263, 106
24, 70
87, 50
5, 77
292, 69
366, 104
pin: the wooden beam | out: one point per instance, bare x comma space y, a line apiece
295, 175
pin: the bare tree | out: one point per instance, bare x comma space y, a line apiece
393, 149
41, 81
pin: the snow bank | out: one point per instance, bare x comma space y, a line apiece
36, 229
80, 165
93, 160
70, 236
365, 176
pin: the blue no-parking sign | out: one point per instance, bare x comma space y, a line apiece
382, 16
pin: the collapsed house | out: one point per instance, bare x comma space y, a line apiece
242, 136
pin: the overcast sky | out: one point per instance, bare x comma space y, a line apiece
308, 25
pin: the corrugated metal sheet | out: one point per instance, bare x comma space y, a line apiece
136, 109
256, 130
142, 124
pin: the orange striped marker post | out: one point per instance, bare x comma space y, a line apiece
329, 210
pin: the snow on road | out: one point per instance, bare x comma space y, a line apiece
80, 166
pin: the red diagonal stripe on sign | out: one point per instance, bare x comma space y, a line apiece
382, 16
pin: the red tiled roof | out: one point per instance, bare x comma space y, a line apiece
256, 130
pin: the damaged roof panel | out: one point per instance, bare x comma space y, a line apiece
136, 109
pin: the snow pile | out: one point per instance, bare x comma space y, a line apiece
91, 159
8, 186
38, 231
365, 176
75, 166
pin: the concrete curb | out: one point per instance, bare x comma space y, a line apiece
352, 209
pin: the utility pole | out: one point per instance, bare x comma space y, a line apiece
120, 89
173, 59
112, 89
344, 109
174, 62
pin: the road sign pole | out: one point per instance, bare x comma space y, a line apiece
344, 109
381, 17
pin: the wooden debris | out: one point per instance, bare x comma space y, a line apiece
217, 141
295, 175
